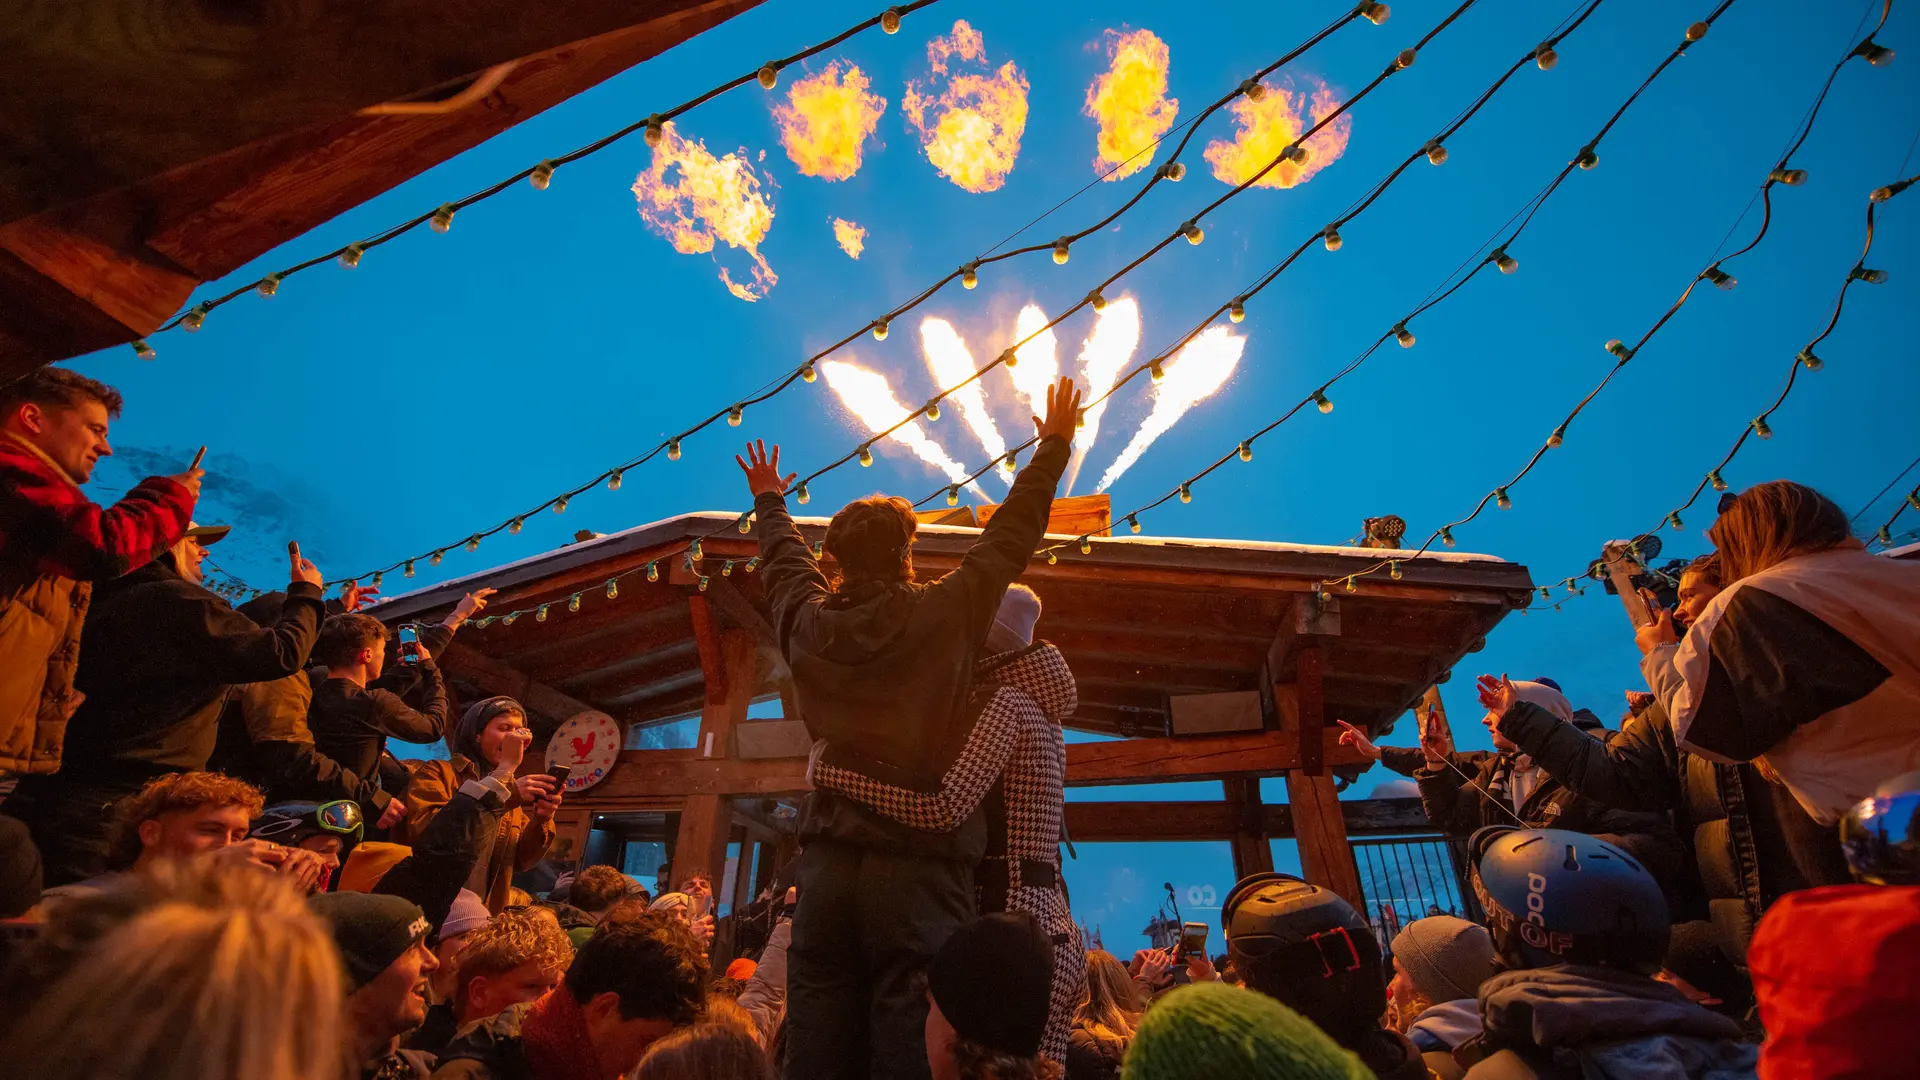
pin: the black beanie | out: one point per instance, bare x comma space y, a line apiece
372, 930
993, 980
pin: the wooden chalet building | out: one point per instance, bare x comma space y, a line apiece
1212, 660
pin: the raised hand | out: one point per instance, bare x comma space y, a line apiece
1354, 737
396, 810
1498, 695
1434, 741
190, 480
355, 596
763, 470
301, 569
1063, 412
1651, 635
469, 606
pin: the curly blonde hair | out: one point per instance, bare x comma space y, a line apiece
511, 939
170, 794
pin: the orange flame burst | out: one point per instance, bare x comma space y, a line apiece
851, 238
826, 120
971, 130
1130, 102
1267, 126
693, 199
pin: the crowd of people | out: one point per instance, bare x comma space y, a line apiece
212, 866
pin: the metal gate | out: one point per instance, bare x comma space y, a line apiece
1412, 877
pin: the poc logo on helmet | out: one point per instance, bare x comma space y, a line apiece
1534, 930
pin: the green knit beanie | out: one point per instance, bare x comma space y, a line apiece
1211, 1031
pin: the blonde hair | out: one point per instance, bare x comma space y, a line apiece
511, 939
706, 1051
212, 972
1773, 522
1108, 1005
172, 793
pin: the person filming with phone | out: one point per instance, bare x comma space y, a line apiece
351, 716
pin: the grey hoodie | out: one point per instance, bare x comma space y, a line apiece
1603, 1024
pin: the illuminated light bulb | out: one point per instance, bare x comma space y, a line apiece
1545, 594
866, 457
1587, 158
653, 571
540, 615
819, 546
970, 275
1673, 519
1403, 335
1885, 535
953, 495
1295, 153
560, 505
1544, 57
1877, 54
1010, 358
434, 559
890, 20
573, 602
1156, 371
1351, 587
735, 415
1321, 400
753, 564
1436, 153
1714, 479
809, 373
694, 551
1174, 171
1061, 252
613, 479
1011, 461
1333, 238
1789, 177
932, 410
726, 568
880, 328
1052, 559
1571, 587
1375, 13
673, 449
769, 76
268, 285
378, 578
1697, 31
655, 130
142, 350
1507, 263
1619, 349
1186, 492
1133, 524
473, 543
350, 255
613, 588
1405, 59
516, 525
1501, 499
1633, 549
1193, 233
1720, 278
1446, 536
1882, 194
1393, 569
442, 219
1097, 300
1559, 436
1246, 450
803, 495
1761, 429
745, 524
1810, 361
541, 176
1237, 311
1871, 277
1086, 546
408, 569
1254, 90
193, 320
1913, 498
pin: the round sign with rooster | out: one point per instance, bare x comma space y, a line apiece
588, 744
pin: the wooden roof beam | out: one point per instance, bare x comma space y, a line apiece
497, 677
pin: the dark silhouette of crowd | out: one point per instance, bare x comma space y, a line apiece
212, 865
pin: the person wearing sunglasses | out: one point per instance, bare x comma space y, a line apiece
329, 830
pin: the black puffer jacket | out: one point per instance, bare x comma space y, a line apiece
1590, 1023
1751, 841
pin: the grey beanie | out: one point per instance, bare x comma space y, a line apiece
1447, 958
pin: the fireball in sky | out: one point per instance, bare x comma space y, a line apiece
867, 394
851, 238
969, 122
1130, 102
1267, 126
1193, 374
695, 199
827, 119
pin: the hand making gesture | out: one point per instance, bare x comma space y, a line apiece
763, 470
1498, 695
1435, 743
1063, 412
1354, 737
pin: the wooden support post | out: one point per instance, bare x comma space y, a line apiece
1321, 830
728, 662
1252, 852
1311, 700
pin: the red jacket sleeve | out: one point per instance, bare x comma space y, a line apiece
50, 522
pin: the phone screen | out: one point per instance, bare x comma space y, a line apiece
409, 645
1193, 939
560, 774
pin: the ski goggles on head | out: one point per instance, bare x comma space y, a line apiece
287, 824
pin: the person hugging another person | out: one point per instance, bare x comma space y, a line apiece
492, 737
883, 671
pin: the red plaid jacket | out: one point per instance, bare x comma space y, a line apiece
53, 543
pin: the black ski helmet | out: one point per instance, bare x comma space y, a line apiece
1308, 947
1877, 835
1558, 897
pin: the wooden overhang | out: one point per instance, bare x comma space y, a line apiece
1142, 622
147, 146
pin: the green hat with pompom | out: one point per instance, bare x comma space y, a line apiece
1211, 1031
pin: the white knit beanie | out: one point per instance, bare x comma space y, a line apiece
1013, 623
1546, 697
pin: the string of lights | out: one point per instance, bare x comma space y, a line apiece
539, 175
1586, 158
1781, 173
967, 274
1902, 475
1884, 534
1433, 149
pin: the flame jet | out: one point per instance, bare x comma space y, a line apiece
1039, 366
1193, 374
1108, 350
950, 362
869, 397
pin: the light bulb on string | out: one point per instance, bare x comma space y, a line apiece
953, 495
726, 568
434, 559
809, 373
1587, 158
1061, 251
1193, 233
1436, 153
1885, 535
1405, 59
1810, 361
1913, 498
745, 524
1545, 57
735, 415
1720, 278
890, 20
560, 505
673, 449
1871, 277
1403, 335
1715, 479
613, 479
1322, 401
880, 328
1507, 263
1237, 311
1761, 429
1619, 349
1155, 370
142, 350
540, 613
378, 579
1186, 492
1295, 153
1393, 569
694, 550
442, 218
1097, 300
1673, 519
540, 177
1246, 450
819, 548
573, 602
653, 571
1697, 31
473, 543
613, 588
407, 570
1882, 194
1789, 177
866, 457
1375, 13
970, 275
1086, 546
1446, 536
1559, 436
1253, 89
1010, 358
193, 320
1351, 587
1333, 239
1133, 524
1174, 171
769, 76
350, 255
802, 495
1876, 54
752, 564
516, 525
932, 411
1501, 499
655, 130
268, 285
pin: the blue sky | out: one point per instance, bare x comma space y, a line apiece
454, 379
